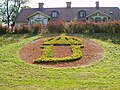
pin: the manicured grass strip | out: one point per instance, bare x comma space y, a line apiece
76, 54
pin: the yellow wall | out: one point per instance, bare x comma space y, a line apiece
21, 23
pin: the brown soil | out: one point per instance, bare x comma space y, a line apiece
61, 51
90, 53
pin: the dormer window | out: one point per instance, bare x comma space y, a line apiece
54, 14
82, 14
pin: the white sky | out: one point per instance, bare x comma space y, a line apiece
75, 3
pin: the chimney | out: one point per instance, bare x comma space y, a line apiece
41, 5
68, 4
97, 5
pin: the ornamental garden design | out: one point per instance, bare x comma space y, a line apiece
62, 40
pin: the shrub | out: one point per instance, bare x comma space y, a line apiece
21, 29
88, 27
107, 27
56, 26
99, 27
0, 28
3, 29
81, 27
75, 27
114, 27
92, 27
59, 26
24, 29
35, 28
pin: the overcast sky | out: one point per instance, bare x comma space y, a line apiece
75, 3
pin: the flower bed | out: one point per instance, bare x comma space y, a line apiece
47, 54
76, 54
47, 51
63, 40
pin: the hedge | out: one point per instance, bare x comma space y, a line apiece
33, 29
3, 29
83, 27
59, 26
56, 26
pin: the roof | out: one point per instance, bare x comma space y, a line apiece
97, 12
38, 12
68, 14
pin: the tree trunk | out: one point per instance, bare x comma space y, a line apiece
8, 21
8, 14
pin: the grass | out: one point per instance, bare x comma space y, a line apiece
18, 75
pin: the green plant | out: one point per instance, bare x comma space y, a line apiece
48, 43
92, 27
18, 75
23, 29
63, 40
47, 55
47, 52
56, 26
3, 29
35, 28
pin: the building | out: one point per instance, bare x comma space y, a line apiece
43, 15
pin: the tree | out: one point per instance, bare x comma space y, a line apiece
0, 21
9, 10
26, 7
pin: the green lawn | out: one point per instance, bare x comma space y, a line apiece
18, 75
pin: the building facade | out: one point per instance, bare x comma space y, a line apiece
43, 15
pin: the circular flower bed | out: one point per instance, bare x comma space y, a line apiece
61, 55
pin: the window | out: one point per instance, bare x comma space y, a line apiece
91, 19
104, 19
54, 14
38, 20
98, 19
82, 14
